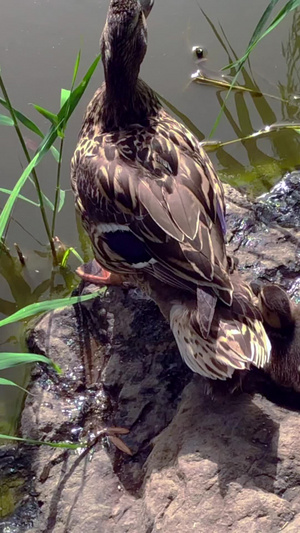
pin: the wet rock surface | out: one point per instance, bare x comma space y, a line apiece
199, 464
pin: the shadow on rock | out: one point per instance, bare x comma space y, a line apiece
232, 436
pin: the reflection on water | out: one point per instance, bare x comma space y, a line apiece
40, 54
270, 155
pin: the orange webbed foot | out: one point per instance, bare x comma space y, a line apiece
93, 272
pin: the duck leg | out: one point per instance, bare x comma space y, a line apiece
93, 272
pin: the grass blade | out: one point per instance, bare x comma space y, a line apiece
11, 359
24, 120
48, 202
9, 383
66, 445
69, 106
20, 197
47, 305
31, 126
62, 197
6, 121
66, 256
76, 67
290, 6
259, 34
55, 153
46, 144
64, 95
262, 22
47, 114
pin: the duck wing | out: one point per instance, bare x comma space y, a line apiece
150, 199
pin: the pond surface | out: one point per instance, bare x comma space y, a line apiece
39, 40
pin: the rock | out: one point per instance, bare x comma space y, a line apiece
199, 464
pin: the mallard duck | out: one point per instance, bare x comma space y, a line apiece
282, 322
154, 208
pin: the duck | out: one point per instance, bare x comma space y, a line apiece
154, 209
281, 318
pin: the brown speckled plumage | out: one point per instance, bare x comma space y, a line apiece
282, 322
152, 203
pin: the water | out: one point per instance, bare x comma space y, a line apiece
39, 40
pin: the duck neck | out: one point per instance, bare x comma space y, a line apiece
127, 100
121, 84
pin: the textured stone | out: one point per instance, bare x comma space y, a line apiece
231, 463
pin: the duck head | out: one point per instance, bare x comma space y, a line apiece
124, 42
276, 308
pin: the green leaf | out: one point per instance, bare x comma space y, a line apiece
21, 197
45, 198
66, 256
6, 121
47, 114
75, 96
64, 95
259, 34
46, 144
24, 120
290, 6
31, 126
75, 71
55, 153
66, 445
9, 383
11, 359
62, 197
262, 22
47, 305
48, 202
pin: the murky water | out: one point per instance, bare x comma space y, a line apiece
39, 40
